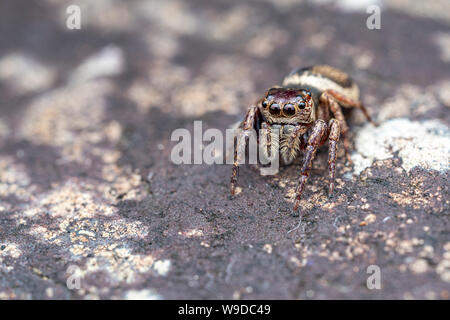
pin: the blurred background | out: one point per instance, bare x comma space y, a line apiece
85, 179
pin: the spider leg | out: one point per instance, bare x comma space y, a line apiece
265, 139
327, 99
333, 138
323, 111
350, 103
248, 124
316, 139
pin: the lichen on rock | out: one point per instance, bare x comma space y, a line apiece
425, 144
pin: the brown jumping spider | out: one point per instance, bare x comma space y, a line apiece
299, 111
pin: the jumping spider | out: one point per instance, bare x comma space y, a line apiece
299, 111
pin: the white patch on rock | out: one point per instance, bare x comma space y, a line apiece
145, 294
191, 233
4, 129
442, 40
162, 267
172, 16
411, 101
10, 249
343, 5
24, 73
350, 5
109, 61
442, 90
425, 144
438, 10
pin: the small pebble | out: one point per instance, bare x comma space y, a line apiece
419, 266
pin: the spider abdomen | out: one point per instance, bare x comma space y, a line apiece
320, 78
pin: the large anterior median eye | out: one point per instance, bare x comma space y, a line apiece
289, 109
274, 108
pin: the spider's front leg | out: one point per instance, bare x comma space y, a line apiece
333, 138
248, 124
316, 139
268, 140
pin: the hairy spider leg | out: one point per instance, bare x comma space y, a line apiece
328, 100
241, 142
350, 103
316, 139
333, 138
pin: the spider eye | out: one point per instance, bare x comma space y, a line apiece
264, 104
289, 109
274, 109
302, 105
307, 92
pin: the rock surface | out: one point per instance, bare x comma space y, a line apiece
91, 206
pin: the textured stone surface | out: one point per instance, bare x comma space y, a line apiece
419, 144
89, 197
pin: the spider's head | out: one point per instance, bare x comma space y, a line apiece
288, 106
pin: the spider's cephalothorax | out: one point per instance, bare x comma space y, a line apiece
301, 115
